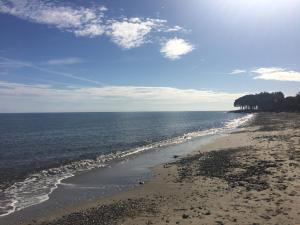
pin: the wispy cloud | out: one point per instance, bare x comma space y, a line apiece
175, 48
276, 73
65, 61
238, 71
92, 22
175, 29
10, 63
79, 20
6, 63
110, 98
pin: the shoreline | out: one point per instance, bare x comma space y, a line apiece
39, 198
248, 177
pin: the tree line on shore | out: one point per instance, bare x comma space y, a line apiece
264, 101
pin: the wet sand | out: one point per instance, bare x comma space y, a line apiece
247, 177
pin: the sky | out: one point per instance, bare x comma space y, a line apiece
140, 55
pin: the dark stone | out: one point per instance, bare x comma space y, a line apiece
185, 216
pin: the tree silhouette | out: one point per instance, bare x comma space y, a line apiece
265, 101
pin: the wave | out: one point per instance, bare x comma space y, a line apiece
36, 188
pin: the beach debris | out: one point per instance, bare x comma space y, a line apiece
266, 217
206, 212
185, 216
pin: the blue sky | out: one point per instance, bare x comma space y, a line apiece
139, 55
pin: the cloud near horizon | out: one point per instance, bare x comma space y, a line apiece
271, 73
126, 32
276, 73
42, 98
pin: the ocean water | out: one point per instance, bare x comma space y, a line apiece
38, 151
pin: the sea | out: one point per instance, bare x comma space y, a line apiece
40, 150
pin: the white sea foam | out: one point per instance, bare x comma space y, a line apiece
37, 187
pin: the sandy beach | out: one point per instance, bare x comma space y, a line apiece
247, 177
149, 112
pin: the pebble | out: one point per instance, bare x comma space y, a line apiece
185, 216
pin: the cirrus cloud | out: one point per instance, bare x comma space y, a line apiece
78, 20
64, 61
238, 71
